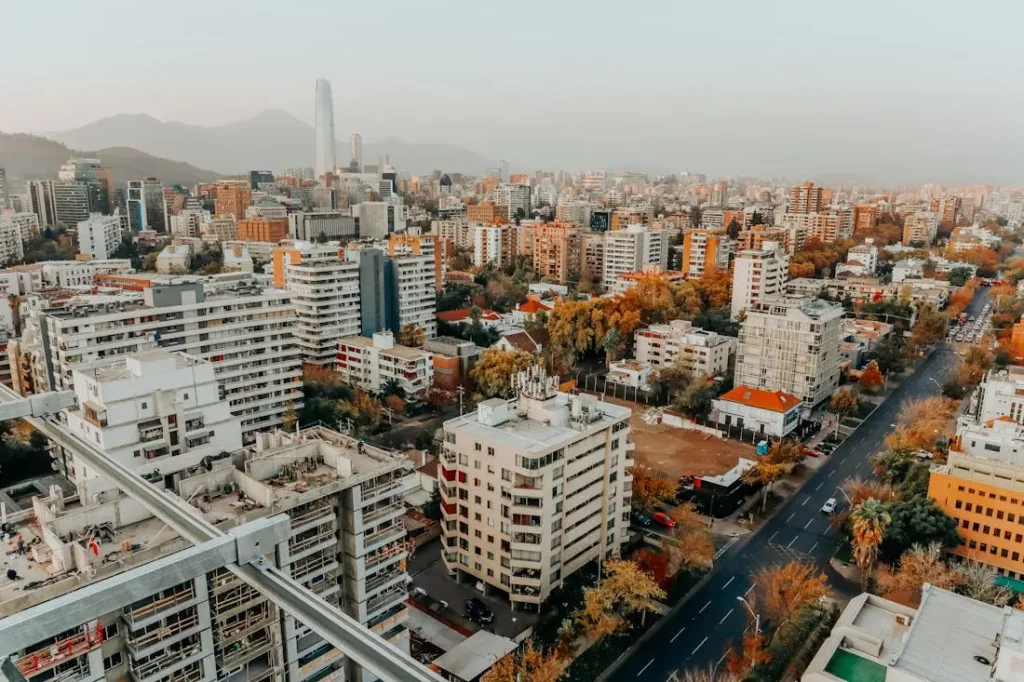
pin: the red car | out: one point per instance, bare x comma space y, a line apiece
663, 519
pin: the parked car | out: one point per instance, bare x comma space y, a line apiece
830, 506
479, 612
663, 519
641, 518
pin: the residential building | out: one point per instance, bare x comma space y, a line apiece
174, 259
775, 414
791, 344
825, 226
860, 338
532, 342
325, 291
592, 257
485, 213
396, 291
100, 236
371, 364
908, 268
232, 198
492, 244
456, 232
700, 352
147, 207
534, 488
861, 260
705, 251
267, 210
41, 201
630, 374
236, 258
95, 179
920, 228
758, 273
556, 252
630, 280
807, 198
319, 225
373, 219
453, 359
757, 235
189, 223
156, 412
947, 208
516, 198
263, 229
325, 161
470, 659
245, 330
865, 218
631, 249
16, 227
70, 203
406, 244
1001, 394
948, 638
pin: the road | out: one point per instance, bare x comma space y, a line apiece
698, 634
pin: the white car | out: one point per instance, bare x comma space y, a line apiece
830, 506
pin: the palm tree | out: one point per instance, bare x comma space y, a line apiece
870, 519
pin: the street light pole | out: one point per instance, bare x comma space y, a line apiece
843, 492
757, 618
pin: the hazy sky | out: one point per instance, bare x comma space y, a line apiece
748, 86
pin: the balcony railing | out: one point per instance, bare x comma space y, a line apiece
164, 631
179, 596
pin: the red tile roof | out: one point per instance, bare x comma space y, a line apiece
463, 314
776, 401
534, 306
531, 342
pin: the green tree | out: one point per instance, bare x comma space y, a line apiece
929, 328
697, 399
844, 404
733, 229
917, 521
889, 356
959, 276
432, 509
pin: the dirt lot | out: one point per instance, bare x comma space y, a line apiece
678, 452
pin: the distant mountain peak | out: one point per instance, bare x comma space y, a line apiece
277, 116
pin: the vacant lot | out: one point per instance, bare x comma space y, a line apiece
678, 452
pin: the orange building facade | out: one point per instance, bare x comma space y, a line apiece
865, 218
556, 252
1017, 342
232, 198
263, 229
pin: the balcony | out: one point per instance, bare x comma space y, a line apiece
171, 656
195, 424
62, 651
384, 535
386, 599
391, 552
158, 632
165, 604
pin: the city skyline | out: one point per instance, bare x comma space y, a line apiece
806, 98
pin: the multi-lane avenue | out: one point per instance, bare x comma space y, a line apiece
697, 634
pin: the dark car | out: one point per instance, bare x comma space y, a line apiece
641, 518
479, 612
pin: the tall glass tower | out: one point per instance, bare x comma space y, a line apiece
325, 159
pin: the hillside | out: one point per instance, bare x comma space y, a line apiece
28, 157
271, 140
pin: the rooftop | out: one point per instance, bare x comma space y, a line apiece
474, 656
776, 401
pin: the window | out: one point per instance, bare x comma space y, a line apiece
983, 547
556, 542
974, 527
476, 550
988, 511
999, 515
972, 544
490, 451
490, 572
1015, 556
964, 523
477, 516
490, 468
110, 631
478, 534
477, 447
476, 499
490, 538
476, 464
986, 530
490, 556
145, 405
968, 506
1010, 517
112, 661
958, 504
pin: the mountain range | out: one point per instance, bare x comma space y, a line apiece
30, 157
272, 140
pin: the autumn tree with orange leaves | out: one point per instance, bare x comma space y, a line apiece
740, 660
782, 590
691, 545
871, 378
920, 423
650, 487
626, 589
529, 664
919, 565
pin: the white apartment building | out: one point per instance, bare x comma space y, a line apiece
516, 197
700, 352
631, 249
100, 235
861, 260
827, 226
414, 281
373, 219
704, 251
758, 273
155, 412
245, 330
370, 364
791, 344
489, 244
535, 488
174, 259
455, 231
1001, 394
15, 231
347, 543
325, 292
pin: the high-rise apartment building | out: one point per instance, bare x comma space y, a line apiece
15, 230
396, 291
270, 230
97, 180
592, 257
319, 225
865, 217
1001, 394
631, 250
807, 198
825, 226
791, 344
516, 198
705, 251
429, 245
556, 252
325, 291
920, 228
947, 208
485, 213
374, 219
535, 488
356, 153
757, 273
325, 161
700, 352
492, 244
71, 202
245, 330
4, 188
456, 232
40, 198
147, 208
233, 198
100, 236
373, 363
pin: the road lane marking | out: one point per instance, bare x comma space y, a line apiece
672, 677
644, 669
808, 523
790, 517
819, 486
728, 583
705, 606
831, 473
676, 635
805, 500
722, 658
812, 548
749, 590
699, 646
773, 536
726, 616
791, 542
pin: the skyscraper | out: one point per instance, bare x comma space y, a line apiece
356, 144
325, 159
147, 208
95, 177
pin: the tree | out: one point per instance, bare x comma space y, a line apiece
870, 519
930, 327
959, 276
493, 373
432, 509
785, 452
859, 490
782, 590
411, 335
697, 399
395, 404
733, 229
889, 356
920, 423
741, 660
978, 581
709, 674
425, 441
844, 403
529, 664
692, 546
289, 417
871, 378
670, 380
14, 303
650, 487
625, 590
756, 218
921, 564
916, 521
655, 563
765, 474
